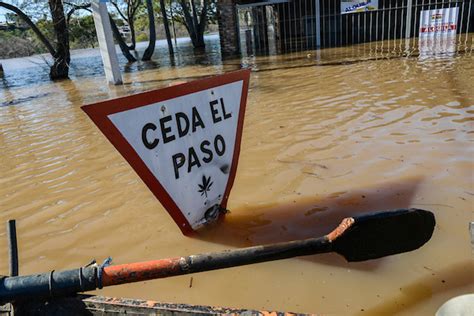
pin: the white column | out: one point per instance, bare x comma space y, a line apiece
106, 41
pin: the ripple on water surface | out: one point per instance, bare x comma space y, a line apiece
320, 142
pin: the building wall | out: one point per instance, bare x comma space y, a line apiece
295, 23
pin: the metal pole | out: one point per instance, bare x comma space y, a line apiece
468, 18
318, 24
284, 27
328, 23
358, 238
408, 25
290, 37
300, 31
106, 41
12, 247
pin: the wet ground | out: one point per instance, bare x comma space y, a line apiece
326, 135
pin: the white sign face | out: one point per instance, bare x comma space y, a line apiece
438, 21
353, 6
188, 144
183, 141
437, 32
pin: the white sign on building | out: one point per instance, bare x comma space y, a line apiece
354, 6
437, 32
439, 21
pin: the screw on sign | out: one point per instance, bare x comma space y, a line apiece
183, 141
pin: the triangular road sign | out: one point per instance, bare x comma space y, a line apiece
183, 141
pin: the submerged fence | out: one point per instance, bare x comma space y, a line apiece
297, 25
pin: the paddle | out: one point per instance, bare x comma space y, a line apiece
357, 238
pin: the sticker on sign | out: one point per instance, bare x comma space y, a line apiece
183, 141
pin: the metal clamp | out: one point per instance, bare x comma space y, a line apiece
50, 283
100, 270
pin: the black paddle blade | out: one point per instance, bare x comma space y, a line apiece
382, 234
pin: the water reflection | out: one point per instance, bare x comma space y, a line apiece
307, 217
88, 63
325, 136
431, 284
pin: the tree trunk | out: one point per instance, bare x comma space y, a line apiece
123, 46
167, 26
197, 24
203, 22
195, 28
131, 25
189, 22
152, 38
62, 58
195, 16
174, 29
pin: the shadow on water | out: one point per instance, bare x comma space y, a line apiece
72, 93
422, 289
311, 217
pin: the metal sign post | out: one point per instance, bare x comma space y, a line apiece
106, 41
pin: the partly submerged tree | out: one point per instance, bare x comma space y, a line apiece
195, 16
128, 9
118, 37
61, 55
152, 36
62, 58
166, 25
194, 24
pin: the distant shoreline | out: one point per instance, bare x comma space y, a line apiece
40, 60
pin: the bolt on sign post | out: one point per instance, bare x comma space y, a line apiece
183, 141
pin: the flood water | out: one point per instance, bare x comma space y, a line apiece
326, 135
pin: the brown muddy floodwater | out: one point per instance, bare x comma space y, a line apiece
326, 135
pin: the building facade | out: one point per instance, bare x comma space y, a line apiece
279, 26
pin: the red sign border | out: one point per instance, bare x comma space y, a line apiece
99, 112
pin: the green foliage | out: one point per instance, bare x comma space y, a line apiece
13, 45
142, 37
141, 21
6, 35
175, 11
46, 27
21, 41
82, 32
